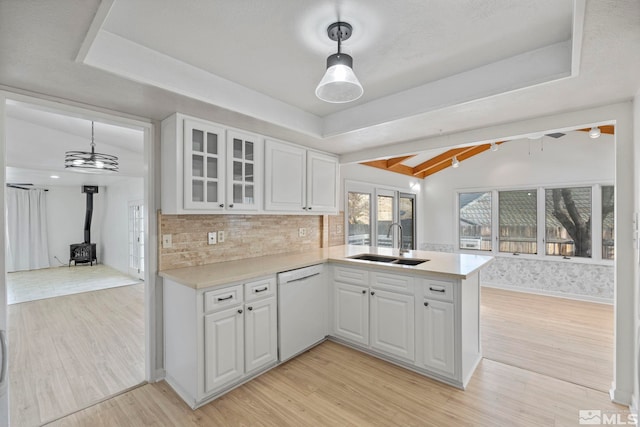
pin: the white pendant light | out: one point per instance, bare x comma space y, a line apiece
594, 132
90, 162
339, 83
454, 162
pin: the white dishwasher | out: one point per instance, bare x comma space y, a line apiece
302, 310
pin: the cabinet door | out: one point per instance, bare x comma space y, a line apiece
438, 336
351, 313
261, 339
223, 348
204, 164
322, 179
285, 177
244, 171
393, 323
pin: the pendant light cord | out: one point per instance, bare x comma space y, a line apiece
93, 144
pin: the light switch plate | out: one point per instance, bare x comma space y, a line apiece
212, 238
166, 241
220, 236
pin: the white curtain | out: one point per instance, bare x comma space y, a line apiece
26, 230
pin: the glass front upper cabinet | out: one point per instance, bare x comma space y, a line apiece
204, 166
243, 162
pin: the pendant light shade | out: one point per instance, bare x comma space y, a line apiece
339, 84
90, 161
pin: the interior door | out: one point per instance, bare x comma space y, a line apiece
136, 239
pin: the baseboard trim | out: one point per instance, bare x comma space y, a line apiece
576, 297
620, 397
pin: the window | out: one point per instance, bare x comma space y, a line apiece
475, 221
518, 221
359, 218
608, 222
384, 220
371, 211
568, 222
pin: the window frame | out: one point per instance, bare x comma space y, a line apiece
376, 190
596, 222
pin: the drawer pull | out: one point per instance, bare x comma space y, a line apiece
436, 290
426, 304
225, 298
260, 290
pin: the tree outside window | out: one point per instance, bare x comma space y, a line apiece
568, 222
608, 222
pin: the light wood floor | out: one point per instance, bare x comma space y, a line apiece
566, 339
68, 352
335, 385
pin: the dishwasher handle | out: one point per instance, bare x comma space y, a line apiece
301, 278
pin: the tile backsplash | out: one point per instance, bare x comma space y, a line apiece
246, 236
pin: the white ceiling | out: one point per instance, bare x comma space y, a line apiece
37, 139
428, 68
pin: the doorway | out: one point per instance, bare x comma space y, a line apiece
74, 346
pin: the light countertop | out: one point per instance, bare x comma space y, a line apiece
455, 266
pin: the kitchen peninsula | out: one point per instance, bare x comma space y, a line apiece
419, 310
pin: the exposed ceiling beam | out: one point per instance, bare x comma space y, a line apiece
436, 161
397, 161
608, 129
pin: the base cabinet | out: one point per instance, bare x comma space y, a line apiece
351, 311
218, 338
437, 336
428, 324
393, 324
223, 348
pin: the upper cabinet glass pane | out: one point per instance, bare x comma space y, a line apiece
248, 172
197, 166
248, 151
237, 148
197, 139
568, 222
212, 143
237, 171
212, 167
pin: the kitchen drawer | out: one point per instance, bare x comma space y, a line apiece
392, 282
351, 275
259, 289
222, 298
438, 289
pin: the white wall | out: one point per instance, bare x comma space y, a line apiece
574, 158
636, 282
115, 226
66, 208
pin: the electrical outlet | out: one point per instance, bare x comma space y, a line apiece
220, 236
166, 241
339, 229
212, 238
302, 232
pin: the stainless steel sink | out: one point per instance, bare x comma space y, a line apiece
374, 258
389, 259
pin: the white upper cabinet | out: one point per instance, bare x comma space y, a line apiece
204, 166
299, 180
285, 177
244, 166
207, 168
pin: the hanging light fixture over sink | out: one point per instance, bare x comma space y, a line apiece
339, 84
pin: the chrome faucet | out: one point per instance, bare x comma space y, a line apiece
402, 250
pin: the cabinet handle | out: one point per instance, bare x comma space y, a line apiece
249, 308
436, 290
426, 304
225, 298
304, 208
260, 290
309, 208
373, 293
231, 205
221, 205
364, 291
240, 311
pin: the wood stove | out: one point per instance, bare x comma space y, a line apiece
86, 251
